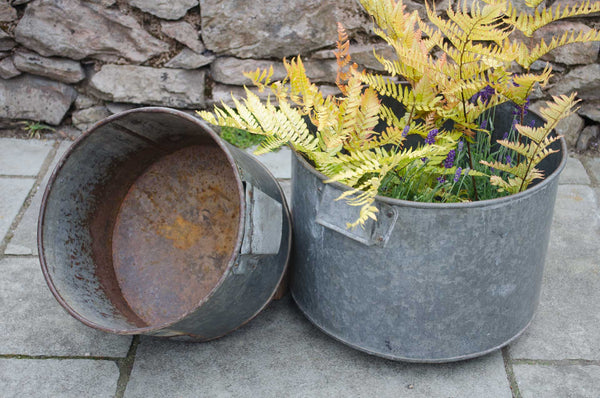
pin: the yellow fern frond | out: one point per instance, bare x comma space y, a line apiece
530, 23
528, 56
260, 78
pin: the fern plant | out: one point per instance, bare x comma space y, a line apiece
448, 75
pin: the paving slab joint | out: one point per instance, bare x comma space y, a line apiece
555, 362
58, 357
510, 374
125, 367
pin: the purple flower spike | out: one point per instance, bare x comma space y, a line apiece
508, 159
485, 95
505, 136
457, 174
460, 146
441, 180
424, 160
449, 161
431, 136
484, 124
532, 123
405, 131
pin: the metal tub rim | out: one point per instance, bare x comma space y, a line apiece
457, 205
230, 263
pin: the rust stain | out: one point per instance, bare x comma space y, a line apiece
182, 232
175, 232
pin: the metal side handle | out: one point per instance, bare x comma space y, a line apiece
335, 215
262, 228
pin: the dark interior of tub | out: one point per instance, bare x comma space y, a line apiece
141, 221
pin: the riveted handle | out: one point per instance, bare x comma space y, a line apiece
262, 228
335, 215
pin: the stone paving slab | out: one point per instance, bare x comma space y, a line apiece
23, 157
593, 167
553, 381
33, 323
574, 173
279, 163
568, 318
24, 240
13, 192
62, 378
280, 354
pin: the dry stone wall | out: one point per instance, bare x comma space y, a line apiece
78, 61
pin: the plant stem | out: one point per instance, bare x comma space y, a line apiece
471, 166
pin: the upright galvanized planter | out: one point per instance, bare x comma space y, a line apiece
151, 224
427, 282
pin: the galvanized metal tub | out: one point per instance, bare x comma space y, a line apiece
427, 282
151, 224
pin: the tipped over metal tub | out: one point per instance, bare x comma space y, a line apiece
151, 224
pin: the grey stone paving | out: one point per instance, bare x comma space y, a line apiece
574, 173
33, 323
279, 163
552, 381
46, 352
13, 192
24, 240
280, 354
567, 324
64, 378
23, 157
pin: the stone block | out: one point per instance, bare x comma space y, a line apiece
177, 88
35, 98
7, 13
6, 41
571, 54
266, 29
586, 136
569, 127
591, 110
85, 118
583, 79
184, 33
229, 70
188, 59
63, 70
8, 70
166, 9
45, 30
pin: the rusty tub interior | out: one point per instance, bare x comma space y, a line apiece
140, 222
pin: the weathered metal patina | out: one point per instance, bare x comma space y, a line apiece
151, 224
426, 282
